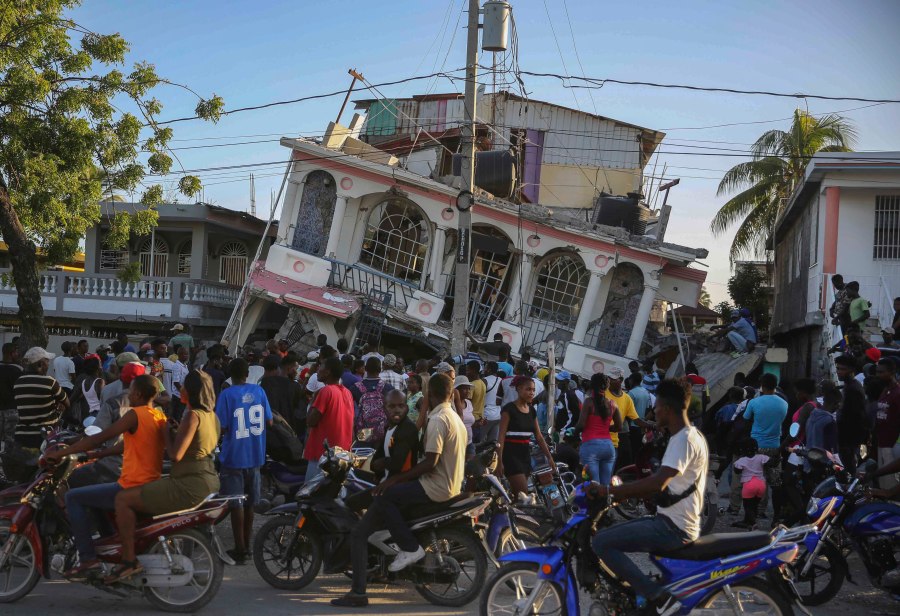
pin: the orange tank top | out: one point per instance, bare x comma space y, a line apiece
142, 460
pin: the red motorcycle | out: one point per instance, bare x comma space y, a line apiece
180, 552
647, 461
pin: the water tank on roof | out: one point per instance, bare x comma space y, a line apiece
626, 212
495, 171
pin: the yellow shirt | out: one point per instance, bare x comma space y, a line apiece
626, 411
445, 434
478, 392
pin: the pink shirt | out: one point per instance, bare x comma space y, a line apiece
751, 467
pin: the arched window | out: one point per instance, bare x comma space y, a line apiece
614, 328
159, 258
233, 263
561, 283
491, 255
396, 241
184, 260
315, 213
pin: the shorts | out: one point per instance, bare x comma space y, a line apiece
754, 488
234, 481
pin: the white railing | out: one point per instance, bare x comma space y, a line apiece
96, 286
209, 293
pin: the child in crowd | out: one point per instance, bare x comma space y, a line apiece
753, 481
414, 395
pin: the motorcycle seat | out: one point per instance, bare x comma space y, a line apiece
421, 511
718, 545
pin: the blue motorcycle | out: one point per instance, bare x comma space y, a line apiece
713, 575
848, 520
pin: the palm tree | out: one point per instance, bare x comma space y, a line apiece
705, 300
766, 182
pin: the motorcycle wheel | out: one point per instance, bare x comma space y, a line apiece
824, 579
511, 584
753, 593
507, 543
467, 551
20, 574
633, 508
207, 578
270, 550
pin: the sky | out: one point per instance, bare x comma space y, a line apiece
258, 52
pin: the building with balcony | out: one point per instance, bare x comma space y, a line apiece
846, 201
366, 249
192, 268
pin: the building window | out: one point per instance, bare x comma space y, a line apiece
887, 228
396, 240
113, 260
158, 260
184, 259
233, 264
561, 283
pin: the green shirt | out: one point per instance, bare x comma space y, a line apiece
185, 340
858, 308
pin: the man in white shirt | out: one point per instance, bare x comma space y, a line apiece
509, 392
679, 483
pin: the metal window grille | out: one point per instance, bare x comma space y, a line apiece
396, 241
159, 257
233, 264
887, 228
561, 283
184, 264
113, 260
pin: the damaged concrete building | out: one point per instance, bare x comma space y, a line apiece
561, 251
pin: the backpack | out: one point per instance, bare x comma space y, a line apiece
282, 443
370, 410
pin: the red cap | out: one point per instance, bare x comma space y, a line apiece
130, 371
873, 354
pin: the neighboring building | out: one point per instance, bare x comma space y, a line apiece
366, 249
843, 219
693, 318
193, 275
767, 269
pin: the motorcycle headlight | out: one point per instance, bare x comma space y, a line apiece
813, 507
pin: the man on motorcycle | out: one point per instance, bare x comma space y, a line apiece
399, 451
436, 479
679, 483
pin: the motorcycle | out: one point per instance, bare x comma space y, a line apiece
289, 551
279, 482
713, 575
847, 520
647, 462
180, 552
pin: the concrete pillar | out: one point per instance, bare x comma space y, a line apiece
520, 283
199, 248
337, 223
641, 320
92, 248
587, 307
436, 263
292, 194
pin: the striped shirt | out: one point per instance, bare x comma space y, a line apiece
37, 396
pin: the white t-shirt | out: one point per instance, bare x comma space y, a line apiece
313, 385
468, 420
688, 454
63, 368
388, 435
511, 395
255, 373
373, 354
492, 388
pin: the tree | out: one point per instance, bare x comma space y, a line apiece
705, 300
73, 127
746, 290
724, 309
767, 181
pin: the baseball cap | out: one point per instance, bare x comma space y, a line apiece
735, 313
126, 358
888, 330
462, 381
389, 360
36, 354
131, 371
312, 355
873, 354
443, 367
178, 327
615, 373
563, 375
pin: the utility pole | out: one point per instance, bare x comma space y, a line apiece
464, 234
252, 197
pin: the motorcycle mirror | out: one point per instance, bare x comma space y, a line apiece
92, 430
88, 421
794, 430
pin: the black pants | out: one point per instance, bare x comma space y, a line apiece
385, 512
623, 451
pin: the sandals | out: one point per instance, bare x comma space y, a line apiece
84, 571
123, 571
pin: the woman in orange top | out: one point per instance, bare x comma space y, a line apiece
142, 429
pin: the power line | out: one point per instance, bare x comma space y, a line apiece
598, 83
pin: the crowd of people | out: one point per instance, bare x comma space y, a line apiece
214, 416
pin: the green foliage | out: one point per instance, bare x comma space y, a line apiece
75, 124
724, 309
766, 182
130, 273
746, 290
705, 300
